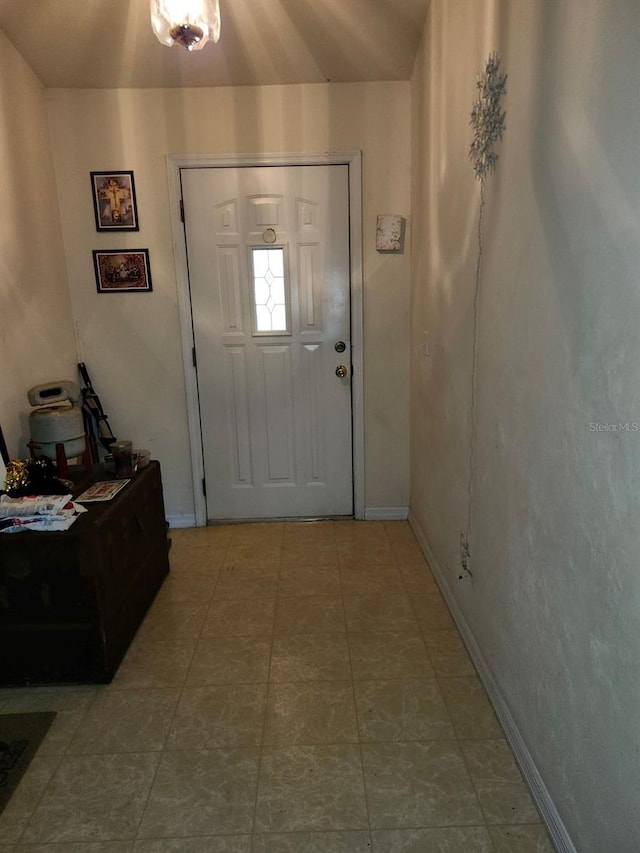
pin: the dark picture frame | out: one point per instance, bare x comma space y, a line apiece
4, 453
4, 461
122, 270
114, 201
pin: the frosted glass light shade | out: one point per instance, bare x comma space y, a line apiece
191, 23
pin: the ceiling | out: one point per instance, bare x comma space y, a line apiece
109, 43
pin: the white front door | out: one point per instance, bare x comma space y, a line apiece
268, 257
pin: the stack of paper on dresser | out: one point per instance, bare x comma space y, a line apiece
40, 512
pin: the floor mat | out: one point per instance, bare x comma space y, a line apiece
20, 737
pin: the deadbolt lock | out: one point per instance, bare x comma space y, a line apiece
340, 346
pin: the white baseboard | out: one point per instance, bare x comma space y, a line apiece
176, 521
386, 513
556, 828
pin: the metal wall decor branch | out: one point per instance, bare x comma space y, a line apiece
487, 118
487, 121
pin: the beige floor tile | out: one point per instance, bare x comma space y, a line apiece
309, 532
168, 620
399, 531
419, 784
404, 544
126, 721
310, 657
313, 842
432, 612
237, 581
313, 712
258, 533
312, 614
155, 663
239, 617
204, 548
470, 710
448, 654
93, 798
194, 587
244, 555
455, 839
205, 537
319, 554
209, 844
21, 806
502, 792
186, 541
389, 655
418, 579
408, 554
202, 792
206, 561
373, 613
521, 839
306, 788
402, 710
309, 580
363, 544
352, 555
219, 716
371, 580
229, 660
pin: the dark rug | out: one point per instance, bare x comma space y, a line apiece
20, 737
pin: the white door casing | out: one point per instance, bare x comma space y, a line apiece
287, 374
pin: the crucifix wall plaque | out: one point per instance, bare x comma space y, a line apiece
114, 201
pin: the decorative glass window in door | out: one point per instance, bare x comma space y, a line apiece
270, 291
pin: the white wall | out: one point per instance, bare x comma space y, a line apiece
131, 342
554, 601
36, 330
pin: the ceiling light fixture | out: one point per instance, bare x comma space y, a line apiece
191, 23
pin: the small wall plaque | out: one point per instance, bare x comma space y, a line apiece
390, 233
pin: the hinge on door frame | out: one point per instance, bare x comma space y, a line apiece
193, 357
181, 211
204, 487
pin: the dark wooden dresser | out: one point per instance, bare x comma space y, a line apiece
71, 602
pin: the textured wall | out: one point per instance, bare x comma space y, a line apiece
555, 498
132, 342
36, 329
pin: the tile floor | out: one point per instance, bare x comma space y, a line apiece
294, 687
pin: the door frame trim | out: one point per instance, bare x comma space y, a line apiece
352, 159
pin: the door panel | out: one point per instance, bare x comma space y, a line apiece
276, 420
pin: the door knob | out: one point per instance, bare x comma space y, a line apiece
341, 371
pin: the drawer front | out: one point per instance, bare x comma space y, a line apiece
43, 584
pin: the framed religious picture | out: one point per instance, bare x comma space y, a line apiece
4, 453
122, 270
4, 461
114, 201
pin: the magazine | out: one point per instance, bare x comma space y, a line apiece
104, 490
